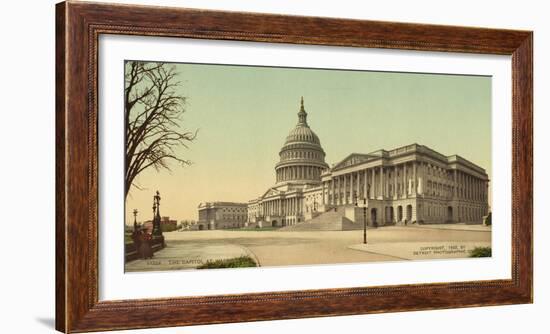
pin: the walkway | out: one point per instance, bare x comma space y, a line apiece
189, 249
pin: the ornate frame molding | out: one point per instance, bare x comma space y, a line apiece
78, 27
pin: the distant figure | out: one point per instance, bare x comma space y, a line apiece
145, 248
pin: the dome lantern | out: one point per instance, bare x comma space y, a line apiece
302, 114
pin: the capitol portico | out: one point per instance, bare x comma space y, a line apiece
409, 184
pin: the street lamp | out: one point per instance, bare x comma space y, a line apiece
364, 216
135, 220
157, 231
365, 220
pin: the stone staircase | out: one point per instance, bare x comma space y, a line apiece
326, 221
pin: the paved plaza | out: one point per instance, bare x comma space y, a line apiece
187, 250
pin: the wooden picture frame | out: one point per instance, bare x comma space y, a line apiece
78, 26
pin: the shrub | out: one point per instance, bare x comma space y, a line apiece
481, 252
237, 262
128, 238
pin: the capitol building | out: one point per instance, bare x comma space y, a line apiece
406, 185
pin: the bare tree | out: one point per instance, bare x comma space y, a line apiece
153, 109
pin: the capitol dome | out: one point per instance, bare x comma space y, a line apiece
302, 159
302, 133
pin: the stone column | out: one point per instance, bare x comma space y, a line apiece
332, 199
338, 190
483, 188
424, 177
290, 208
466, 188
454, 184
414, 183
474, 188
345, 196
323, 185
474, 180
341, 193
365, 185
421, 179
470, 188
381, 181
469, 185
462, 186
395, 183
287, 207
353, 185
479, 194
465, 180
358, 185
404, 186
479, 187
458, 184
335, 181
372, 183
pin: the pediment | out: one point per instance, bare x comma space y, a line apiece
271, 192
352, 159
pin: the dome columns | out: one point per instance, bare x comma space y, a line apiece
304, 173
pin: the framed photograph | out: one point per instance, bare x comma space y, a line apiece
224, 167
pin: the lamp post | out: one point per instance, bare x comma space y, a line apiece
156, 218
135, 220
154, 213
364, 216
365, 220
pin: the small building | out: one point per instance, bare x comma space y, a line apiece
221, 215
166, 225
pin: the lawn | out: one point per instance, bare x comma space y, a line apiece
481, 252
128, 238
